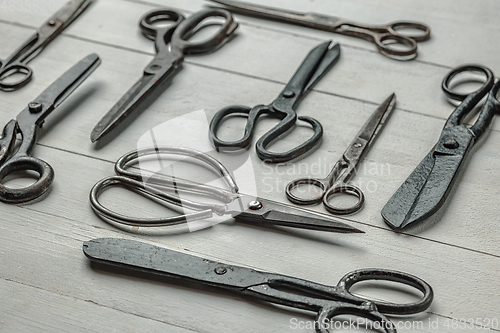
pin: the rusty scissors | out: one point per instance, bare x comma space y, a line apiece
172, 44
327, 301
337, 180
16, 63
312, 69
165, 189
390, 39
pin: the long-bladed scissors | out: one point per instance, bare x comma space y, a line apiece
390, 39
27, 123
16, 63
162, 188
427, 187
328, 301
171, 46
312, 69
337, 180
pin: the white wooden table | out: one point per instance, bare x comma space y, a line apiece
47, 284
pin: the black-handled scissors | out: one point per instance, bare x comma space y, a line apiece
390, 39
337, 181
312, 69
328, 301
163, 188
427, 187
27, 124
171, 44
16, 63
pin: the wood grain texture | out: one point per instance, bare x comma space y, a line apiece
47, 284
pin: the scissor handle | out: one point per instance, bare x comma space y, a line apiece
192, 24
372, 309
481, 91
398, 26
151, 31
321, 184
344, 189
16, 68
31, 192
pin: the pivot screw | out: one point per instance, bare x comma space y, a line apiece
288, 94
35, 107
220, 270
255, 205
358, 145
451, 144
52, 23
155, 67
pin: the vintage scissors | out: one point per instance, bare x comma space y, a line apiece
27, 124
171, 44
243, 208
312, 69
387, 38
328, 301
427, 187
337, 180
16, 63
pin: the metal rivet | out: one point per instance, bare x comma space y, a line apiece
52, 22
155, 67
357, 145
220, 270
35, 107
451, 144
255, 205
288, 94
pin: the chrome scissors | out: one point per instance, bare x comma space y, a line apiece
162, 188
27, 124
171, 44
327, 301
312, 69
427, 187
337, 180
387, 38
16, 63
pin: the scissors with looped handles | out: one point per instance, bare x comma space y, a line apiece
328, 301
337, 180
16, 63
427, 187
163, 188
390, 39
171, 45
27, 123
312, 69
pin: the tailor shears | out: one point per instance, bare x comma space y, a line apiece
312, 69
162, 188
17, 62
172, 45
390, 39
328, 301
337, 180
27, 123
428, 186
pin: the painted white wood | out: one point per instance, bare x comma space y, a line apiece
52, 286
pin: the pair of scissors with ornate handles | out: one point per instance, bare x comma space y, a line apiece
163, 188
16, 63
328, 301
427, 187
27, 123
337, 180
312, 69
390, 39
172, 45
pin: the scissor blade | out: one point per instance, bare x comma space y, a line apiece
273, 213
374, 124
133, 100
69, 12
330, 58
157, 260
60, 89
424, 191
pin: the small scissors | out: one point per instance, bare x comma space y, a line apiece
312, 69
16, 63
27, 124
328, 301
427, 187
386, 37
244, 208
171, 46
337, 180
